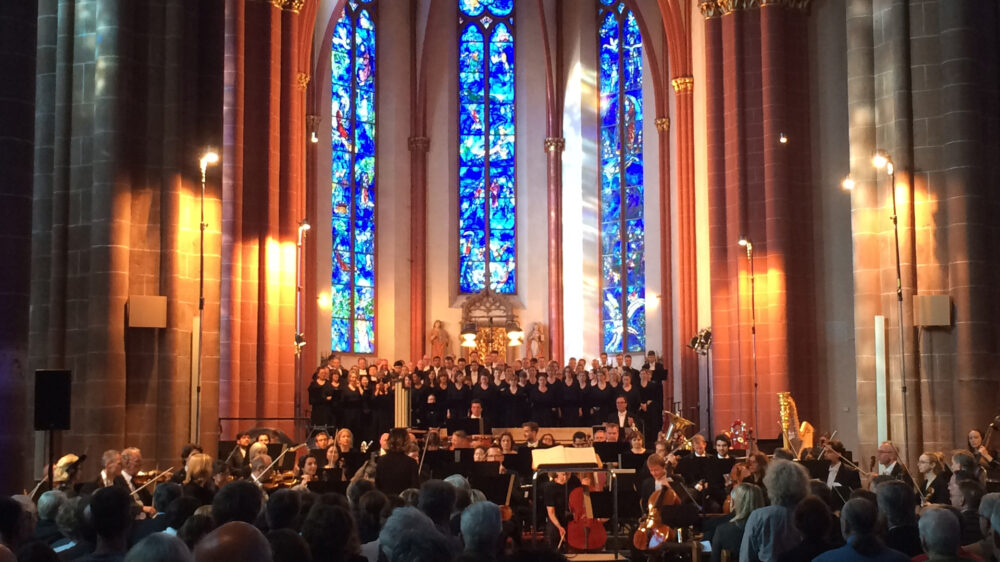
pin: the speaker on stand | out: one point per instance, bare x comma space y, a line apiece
52, 407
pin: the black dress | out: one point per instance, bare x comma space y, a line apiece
602, 402
458, 397
569, 405
653, 416
491, 406
543, 406
350, 407
318, 401
382, 411
632, 397
515, 404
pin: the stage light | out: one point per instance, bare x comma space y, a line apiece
848, 183
881, 159
304, 226
782, 138
210, 157
746, 243
313, 138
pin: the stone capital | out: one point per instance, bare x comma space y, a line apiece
421, 144
683, 84
709, 8
555, 144
801, 5
303, 80
727, 7
663, 124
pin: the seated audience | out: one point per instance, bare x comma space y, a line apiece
812, 519
481, 526
236, 501
858, 521
970, 494
898, 502
235, 541
744, 499
282, 510
402, 520
159, 547
163, 496
940, 534
46, 529
110, 512
288, 546
770, 530
330, 530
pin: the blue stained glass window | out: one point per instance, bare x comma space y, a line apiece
487, 227
353, 180
623, 267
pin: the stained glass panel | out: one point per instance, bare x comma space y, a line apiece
623, 267
487, 236
353, 179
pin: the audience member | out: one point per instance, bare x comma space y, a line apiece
858, 519
12, 532
236, 501
46, 529
744, 499
288, 546
235, 541
331, 530
111, 515
76, 528
437, 500
368, 515
178, 512
33, 551
282, 510
196, 527
898, 502
940, 534
414, 546
481, 526
163, 496
812, 519
402, 520
159, 547
770, 530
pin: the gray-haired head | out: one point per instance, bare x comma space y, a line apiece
459, 482
897, 501
49, 503
940, 532
159, 547
786, 482
401, 520
481, 525
989, 504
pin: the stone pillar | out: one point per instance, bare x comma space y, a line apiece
18, 23
418, 145
758, 94
554, 147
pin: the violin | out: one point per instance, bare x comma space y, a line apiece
651, 533
584, 532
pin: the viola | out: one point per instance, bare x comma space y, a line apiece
651, 533
584, 532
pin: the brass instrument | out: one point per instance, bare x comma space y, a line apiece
676, 425
796, 436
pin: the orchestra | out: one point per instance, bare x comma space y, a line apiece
485, 422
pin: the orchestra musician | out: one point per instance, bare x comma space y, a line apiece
841, 479
554, 495
239, 460
888, 463
934, 485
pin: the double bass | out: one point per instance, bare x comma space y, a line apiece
584, 532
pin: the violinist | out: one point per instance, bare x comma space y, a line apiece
239, 458
308, 469
934, 485
198, 478
841, 478
259, 469
987, 459
131, 463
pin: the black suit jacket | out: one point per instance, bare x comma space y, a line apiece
639, 422
849, 480
395, 472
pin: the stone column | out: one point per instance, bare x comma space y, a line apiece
418, 145
18, 24
554, 147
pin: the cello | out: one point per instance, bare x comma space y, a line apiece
652, 532
584, 532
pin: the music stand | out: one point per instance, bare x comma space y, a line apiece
612, 482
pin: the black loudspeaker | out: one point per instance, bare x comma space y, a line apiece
52, 399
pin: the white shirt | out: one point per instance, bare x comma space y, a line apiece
622, 418
104, 478
884, 470
831, 476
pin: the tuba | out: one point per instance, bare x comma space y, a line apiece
676, 425
796, 436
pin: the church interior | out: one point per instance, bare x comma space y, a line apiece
202, 200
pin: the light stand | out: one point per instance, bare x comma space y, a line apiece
210, 157
746, 243
300, 339
880, 160
701, 344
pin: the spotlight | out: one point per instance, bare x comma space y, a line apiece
881, 160
313, 138
746, 243
304, 225
782, 138
848, 183
210, 157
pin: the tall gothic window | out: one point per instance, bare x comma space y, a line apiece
486, 228
353, 181
623, 277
